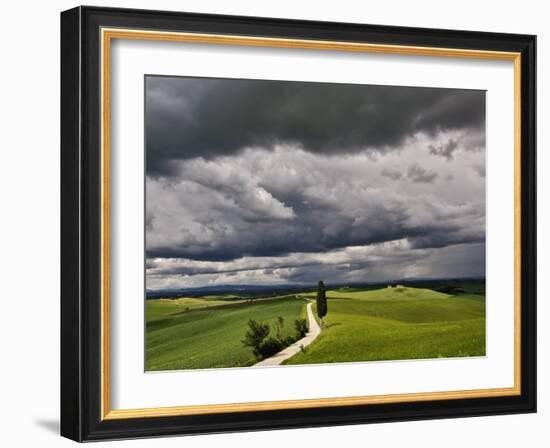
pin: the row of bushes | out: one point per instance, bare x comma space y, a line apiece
263, 344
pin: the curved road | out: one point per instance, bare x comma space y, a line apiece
291, 350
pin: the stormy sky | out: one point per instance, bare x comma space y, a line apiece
276, 182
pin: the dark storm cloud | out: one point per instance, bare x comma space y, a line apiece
341, 266
259, 182
265, 204
306, 233
189, 117
183, 267
445, 150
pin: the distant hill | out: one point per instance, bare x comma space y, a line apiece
444, 285
242, 290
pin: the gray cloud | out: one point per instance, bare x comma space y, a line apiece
385, 261
265, 182
392, 174
479, 169
271, 203
445, 150
421, 175
191, 117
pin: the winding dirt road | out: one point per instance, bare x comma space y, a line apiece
291, 350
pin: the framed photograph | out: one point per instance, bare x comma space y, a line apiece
275, 224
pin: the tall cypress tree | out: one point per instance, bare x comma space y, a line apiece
321, 301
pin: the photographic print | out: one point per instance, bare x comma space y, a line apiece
293, 223
253, 201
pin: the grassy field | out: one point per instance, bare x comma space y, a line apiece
160, 308
362, 325
196, 333
398, 323
385, 294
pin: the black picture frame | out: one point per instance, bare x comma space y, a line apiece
81, 224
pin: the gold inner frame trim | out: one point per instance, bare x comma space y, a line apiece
107, 35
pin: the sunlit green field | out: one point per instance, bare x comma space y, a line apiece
361, 325
385, 294
398, 323
157, 309
197, 333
